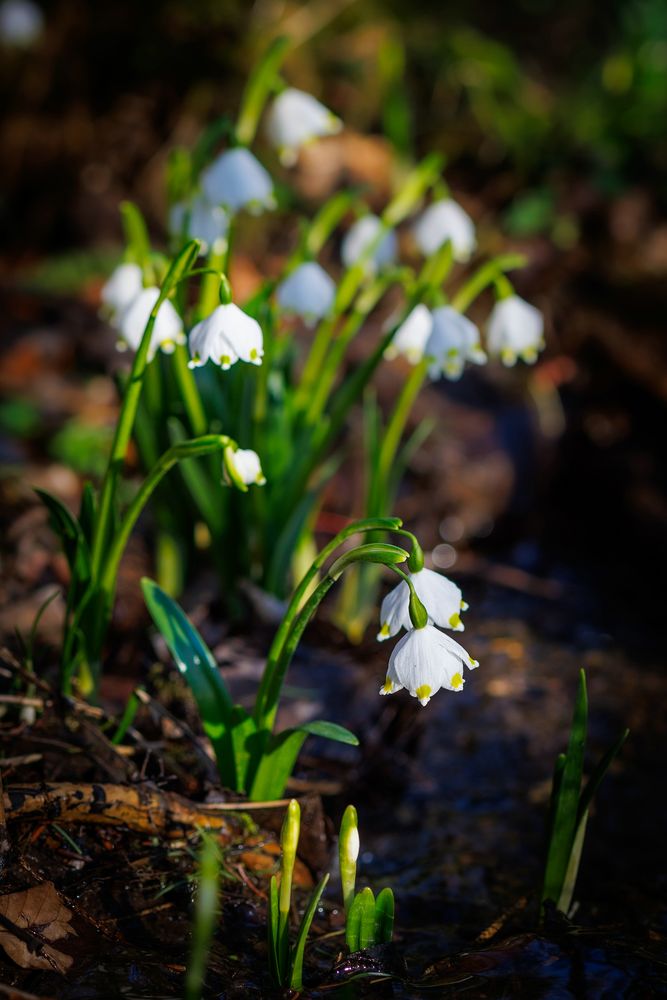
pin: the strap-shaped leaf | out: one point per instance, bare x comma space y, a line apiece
275, 761
136, 233
195, 661
384, 916
367, 918
272, 933
567, 804
71, 536
296, 975
87, 511
330, 731
353, 924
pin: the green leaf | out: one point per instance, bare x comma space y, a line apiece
565, 899
71, 537
87, 512
136, 234
367, 918
275, 763
384, 917
195, 661
353, 924
567, 804
330, 731
178, 270
296, 975
272, 919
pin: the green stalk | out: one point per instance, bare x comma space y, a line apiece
205, 914
258, 89
357, 527
398, 419
189, 392
185, 449
486, 275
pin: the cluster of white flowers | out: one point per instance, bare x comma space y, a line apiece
448, 338
425, 659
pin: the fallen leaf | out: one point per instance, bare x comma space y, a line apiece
29, 920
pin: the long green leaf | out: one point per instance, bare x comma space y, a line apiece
567, 805
367, 921
353, 924
272, 934
136, 233
71, 536
330, 731
275, 763
384, 916
296, 974
195, 661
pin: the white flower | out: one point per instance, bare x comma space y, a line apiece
238, 180
516, 330
242, 467
168, 328
225, 336
308, 291
424, 661
21, 22
202, 221
446, 221
295, 119
412, 335
122, 288
453, 341
361, 236
441, 598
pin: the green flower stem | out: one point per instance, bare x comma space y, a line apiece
413, 189
178, 452
258, 89
399, 418
209, 292
356, 527
486, 275
296, 618
187, 386
128, 413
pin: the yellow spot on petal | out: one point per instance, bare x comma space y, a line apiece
225, 360
423, 692
453, 352
473, 663
387, 687
508, 356
455, 621
253, 354
457, 682
384, 631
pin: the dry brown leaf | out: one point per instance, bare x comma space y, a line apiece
39, 917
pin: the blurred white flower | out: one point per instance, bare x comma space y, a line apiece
21, 23
242, 467
424, 661
453, 341
168, 329
441, 598
236, 180
446, 221
295, 119
122, 288
516, 330
225, 336
200, 221
308, 291
361, 236
412, 335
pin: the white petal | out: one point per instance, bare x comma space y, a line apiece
247, 466
441, 598
168, 328
238, 180
308, 291
297, 118
424, 661
200, 221
446, 221
361, 235
412, 335
515, 329
21, 22
225, 336
122, 287
454, 340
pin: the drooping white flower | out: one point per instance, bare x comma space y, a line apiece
242, 466
225, 336
168, 328
441, 598
308, 291
424, 661
412, 335
516, 330
201, 221
361, 236
122, 288
21, 23
295, 119
454, 340
444, 221
238, 180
